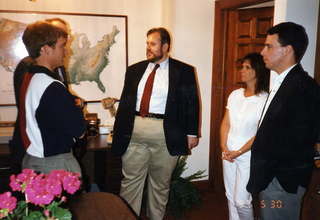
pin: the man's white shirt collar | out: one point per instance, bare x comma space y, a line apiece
278, 78
163, 65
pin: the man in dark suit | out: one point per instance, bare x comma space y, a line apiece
151, 138
282, 152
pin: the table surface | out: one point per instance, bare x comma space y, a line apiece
99, 142
95, 143
5, 134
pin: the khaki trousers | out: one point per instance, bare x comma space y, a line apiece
147, 156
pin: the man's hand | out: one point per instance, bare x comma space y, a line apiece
192, 142
79, 102
234, 154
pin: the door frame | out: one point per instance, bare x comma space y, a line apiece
317, 58
217, 95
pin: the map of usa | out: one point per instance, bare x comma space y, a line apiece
85, 63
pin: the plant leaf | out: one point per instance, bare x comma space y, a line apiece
20, 209
52, 205
183, 194
34, 215
61, 213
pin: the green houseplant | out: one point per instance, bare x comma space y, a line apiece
183, 193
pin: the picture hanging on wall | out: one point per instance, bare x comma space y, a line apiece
97, 52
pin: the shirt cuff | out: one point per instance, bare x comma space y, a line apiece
191, 135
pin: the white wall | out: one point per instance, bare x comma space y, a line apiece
191, 25
192, 28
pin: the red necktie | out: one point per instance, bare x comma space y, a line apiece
145, 100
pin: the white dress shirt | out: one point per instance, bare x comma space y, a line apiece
159, 93
277, 81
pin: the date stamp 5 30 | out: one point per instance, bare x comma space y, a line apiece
272, 204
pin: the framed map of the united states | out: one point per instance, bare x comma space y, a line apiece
97, 52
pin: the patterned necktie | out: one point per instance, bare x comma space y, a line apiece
145, 100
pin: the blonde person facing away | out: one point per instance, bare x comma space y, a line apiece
237, 132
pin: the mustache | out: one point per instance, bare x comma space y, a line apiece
154, 59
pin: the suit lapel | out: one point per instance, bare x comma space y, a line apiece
173, 79
137, 74
279, 100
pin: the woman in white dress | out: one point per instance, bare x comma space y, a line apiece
237, 132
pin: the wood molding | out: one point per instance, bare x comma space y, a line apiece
217, 96
202, 185
230, 4
317, 58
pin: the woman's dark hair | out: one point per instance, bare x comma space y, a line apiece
262, 73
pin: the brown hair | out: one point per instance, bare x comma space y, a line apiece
56, 19
39, 34
262, 73
164, 35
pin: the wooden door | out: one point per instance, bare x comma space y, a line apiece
244, 32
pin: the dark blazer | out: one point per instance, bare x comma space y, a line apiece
181, 115
283, 146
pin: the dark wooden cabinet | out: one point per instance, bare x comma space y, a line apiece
100, 166
5, 170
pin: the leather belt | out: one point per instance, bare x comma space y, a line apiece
151, 115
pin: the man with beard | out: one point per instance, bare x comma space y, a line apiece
157, 120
